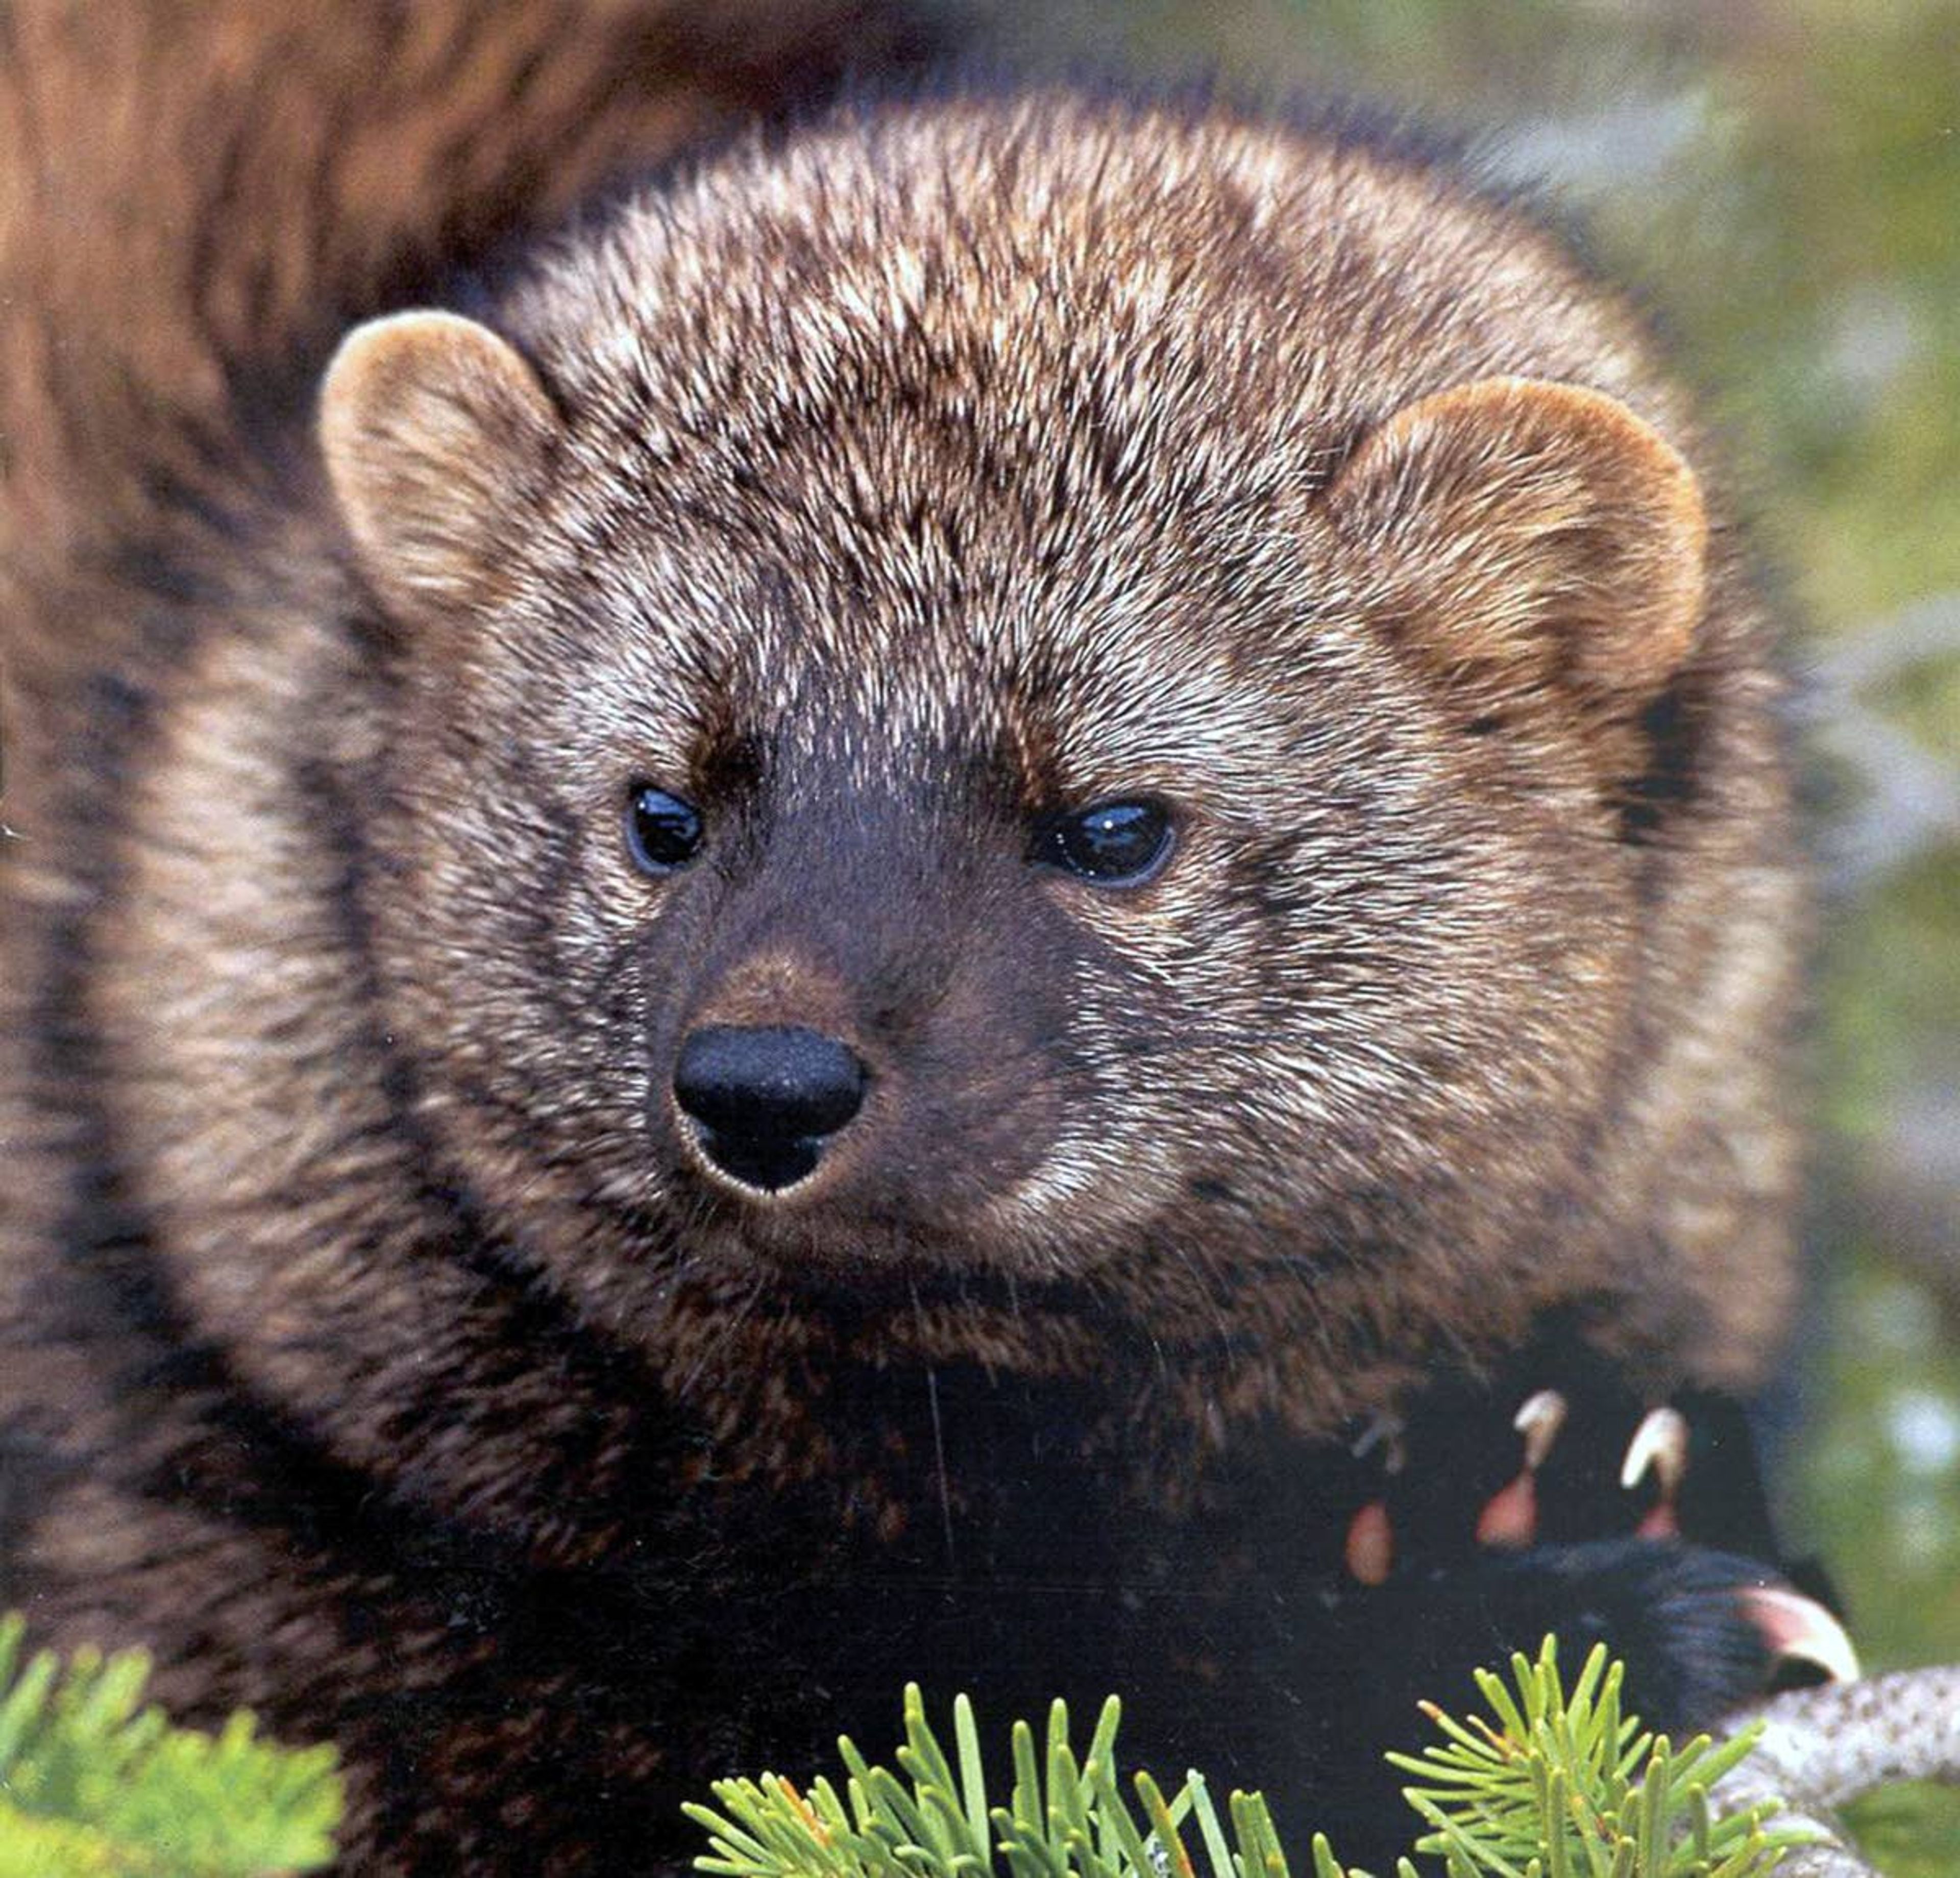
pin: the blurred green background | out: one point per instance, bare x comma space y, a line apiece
1782, 179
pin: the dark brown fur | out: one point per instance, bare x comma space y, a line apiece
370, 1323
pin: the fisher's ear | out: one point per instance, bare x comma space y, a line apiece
1530, 542
435, 432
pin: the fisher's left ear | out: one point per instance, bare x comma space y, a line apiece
435, 433
1533, 543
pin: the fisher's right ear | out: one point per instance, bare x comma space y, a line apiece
436, 434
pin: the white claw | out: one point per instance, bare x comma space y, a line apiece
1384, 1431
1539, 1422
1660, 1443
1798, 1627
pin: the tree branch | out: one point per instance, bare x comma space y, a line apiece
1823, 1747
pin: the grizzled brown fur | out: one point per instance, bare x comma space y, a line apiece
380, 1348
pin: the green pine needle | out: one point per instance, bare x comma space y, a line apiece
91, 1782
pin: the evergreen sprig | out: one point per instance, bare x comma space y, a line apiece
92, 1782
1563, 1784
1557, 1785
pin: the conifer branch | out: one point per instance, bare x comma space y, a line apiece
1821, 1749
1554, 1783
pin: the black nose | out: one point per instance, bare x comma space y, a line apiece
767, 1097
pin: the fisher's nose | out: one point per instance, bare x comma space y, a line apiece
767, 1100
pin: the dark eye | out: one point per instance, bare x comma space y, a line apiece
663, 832
1113, 844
